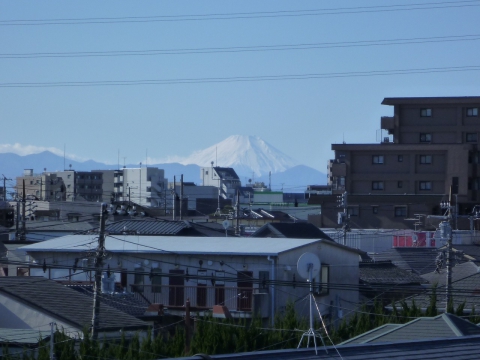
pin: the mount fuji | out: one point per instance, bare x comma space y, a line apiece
250, 157
245, 154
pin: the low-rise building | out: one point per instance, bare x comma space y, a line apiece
246, 275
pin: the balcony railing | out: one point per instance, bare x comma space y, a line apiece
201, 297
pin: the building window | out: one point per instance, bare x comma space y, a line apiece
400, 158
425, 159
400, 184
400, 211
425, 185
375, 209
425, 137
352, 211
471, 137
149, 189
138, 279
473, 183
322, 287
377, 185
472, 111
264, 277
377, 159
156, 280
425, 112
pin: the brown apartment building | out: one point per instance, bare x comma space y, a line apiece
432, 146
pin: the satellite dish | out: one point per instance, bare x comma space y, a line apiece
306, 262
226, 224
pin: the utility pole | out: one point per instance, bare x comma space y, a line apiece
23, 232
98, 271
237, 214
17, 221
187, 326
181, 197
343, 216
446, 233
174, 193
52, 343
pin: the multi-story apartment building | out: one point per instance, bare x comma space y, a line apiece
45, 186
432, 146
143, 186
223, 178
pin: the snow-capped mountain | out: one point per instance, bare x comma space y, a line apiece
246, 154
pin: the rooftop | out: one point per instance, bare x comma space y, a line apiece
464, 291
291, 230
441, 326
420, 260
174, 244
432, 100
65, 304
151, 227
384, 272
453, 348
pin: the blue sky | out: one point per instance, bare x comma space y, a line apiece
299, 117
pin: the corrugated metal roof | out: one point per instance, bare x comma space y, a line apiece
147, 227
175, 244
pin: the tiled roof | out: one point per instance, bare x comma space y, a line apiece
441, 326
65, 304
150, 227
418, 260
466, 290
384, 272
125, 302
72, 226
459, 271
292, 230
459, 348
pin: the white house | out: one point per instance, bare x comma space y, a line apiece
243, 274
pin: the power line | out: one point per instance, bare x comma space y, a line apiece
237, 49
244, 15
243, 78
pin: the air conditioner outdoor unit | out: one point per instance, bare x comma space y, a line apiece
386, 139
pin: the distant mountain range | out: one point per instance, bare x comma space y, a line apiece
251, 158
246, 154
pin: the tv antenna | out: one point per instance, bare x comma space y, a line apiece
308, 267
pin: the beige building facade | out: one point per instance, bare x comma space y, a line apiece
431, 146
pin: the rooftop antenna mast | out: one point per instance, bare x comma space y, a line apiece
308, 267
